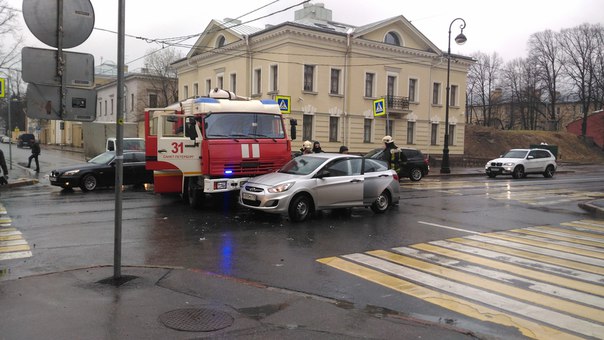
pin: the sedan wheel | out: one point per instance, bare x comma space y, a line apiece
416, 174
299, 208
89, 183
382, 203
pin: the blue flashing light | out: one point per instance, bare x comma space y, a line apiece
207, 100
228, 172
268, 101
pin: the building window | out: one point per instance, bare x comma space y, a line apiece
257, 81
274, 76
100, 110
436, 94
309, 75
220, 82
369, 78
234, 82
152, 100
195, 90
451, 134
392, 38
185, 92
307, 127
390, 91
410, 132
132, 102
412, 90
112, 106
335, 81
105, 107
367, 124
333, 128
434, 134
453, 95
221, 41
208, 85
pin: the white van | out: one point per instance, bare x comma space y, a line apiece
130, 144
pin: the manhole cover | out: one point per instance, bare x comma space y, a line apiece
196, 320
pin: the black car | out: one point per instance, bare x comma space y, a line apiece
24, 140
414, 165
100, 172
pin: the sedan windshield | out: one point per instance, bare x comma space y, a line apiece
515, 154
103, 158
302, 165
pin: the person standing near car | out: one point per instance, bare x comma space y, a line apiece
35, 152
4, 168
391, 154
316, 147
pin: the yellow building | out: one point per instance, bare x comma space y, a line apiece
332, 73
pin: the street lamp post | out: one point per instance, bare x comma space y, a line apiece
460, 39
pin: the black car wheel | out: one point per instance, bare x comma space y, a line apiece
382, 203
416, 174
299, 208
518, 172
549, 171
89, 183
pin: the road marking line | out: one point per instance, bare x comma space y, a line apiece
446, 227
8, 249
12, 242
560, 232
494, 300
494, 260
555, 237
465, 307
542, 262
495, 273
11, 232
11, 237
583, 226
573, 232
496, 287
545, 240
16, 255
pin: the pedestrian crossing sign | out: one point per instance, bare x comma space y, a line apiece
284, 103
379, 108
2, 80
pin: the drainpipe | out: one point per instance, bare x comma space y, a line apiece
346, 118
249, 66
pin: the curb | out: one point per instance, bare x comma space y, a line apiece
592, 208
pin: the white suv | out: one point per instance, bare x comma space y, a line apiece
521, 162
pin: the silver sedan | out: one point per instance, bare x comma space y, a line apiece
322, 181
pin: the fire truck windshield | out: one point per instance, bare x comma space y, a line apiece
243, 125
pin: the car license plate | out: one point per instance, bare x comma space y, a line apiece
249, 197
52, 178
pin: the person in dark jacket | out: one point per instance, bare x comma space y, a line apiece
4, 175
316, 147
391, 153
35, 152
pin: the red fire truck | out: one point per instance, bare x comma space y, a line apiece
213, 144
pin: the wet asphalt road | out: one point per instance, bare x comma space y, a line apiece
69, 230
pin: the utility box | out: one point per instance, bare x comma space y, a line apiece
552, 148
96, 134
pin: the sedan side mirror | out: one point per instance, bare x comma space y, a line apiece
323, 174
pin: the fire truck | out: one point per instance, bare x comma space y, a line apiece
209, 145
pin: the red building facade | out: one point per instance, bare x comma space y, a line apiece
595, 127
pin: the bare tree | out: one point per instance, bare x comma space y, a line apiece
159, 64
580, 48
11, 41
483, 77
545, 52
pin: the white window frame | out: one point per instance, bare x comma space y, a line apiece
208, 85
185, 92
273, 78
339, 81
257, 81
453, 97
314, 88
195, 89
437, 100
415, 98
233, 82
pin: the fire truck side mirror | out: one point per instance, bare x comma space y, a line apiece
293, 123
190, 128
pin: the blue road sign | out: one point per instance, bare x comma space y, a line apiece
284, 103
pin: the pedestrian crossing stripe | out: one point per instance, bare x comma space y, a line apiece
5, 221
548, 283
13, 245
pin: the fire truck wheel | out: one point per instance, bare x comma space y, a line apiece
194, 192
300, 207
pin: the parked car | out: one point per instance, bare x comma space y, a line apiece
415, 167
320, 181
100, 172
521, 162
5, 139
25, 140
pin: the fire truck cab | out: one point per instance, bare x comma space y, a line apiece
213, 144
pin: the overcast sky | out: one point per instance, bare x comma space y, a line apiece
492, 26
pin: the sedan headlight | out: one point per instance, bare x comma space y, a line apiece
280, 188
71, 172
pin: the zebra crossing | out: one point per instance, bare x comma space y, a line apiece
546, 281
12, 243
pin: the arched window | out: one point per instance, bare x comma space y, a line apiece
392, 38
221, 41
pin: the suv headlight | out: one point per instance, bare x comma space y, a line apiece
508, 164
281, 187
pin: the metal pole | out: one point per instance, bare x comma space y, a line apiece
119, 156
10, 131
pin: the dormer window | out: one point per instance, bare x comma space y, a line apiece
221, 41
392, 38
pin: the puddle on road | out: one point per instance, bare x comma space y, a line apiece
4, 271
